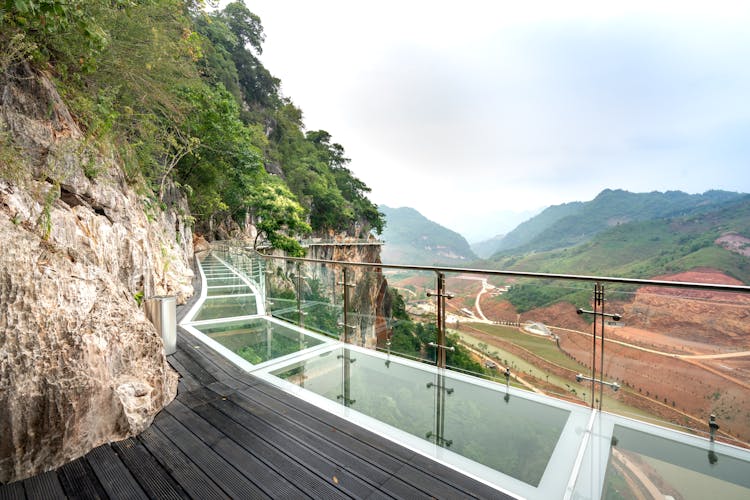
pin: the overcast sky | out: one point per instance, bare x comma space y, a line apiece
463, 109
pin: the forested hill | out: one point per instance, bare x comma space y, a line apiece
175, 93
570, 224
712, 234
411, 238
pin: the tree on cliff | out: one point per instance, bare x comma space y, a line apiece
179, 93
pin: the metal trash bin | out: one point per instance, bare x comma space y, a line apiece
162, 312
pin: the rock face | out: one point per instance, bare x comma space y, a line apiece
79, 363
369, 303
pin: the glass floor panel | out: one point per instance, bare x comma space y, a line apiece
642, 464
258, 340
510, 434
227, 307
234, 280
228, 290
219, 274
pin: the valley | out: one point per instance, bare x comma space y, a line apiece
677, 355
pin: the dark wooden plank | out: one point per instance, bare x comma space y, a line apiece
367, 445
279, 450
221, 389
383, 445
221, 472
150, 475
114, 477
181, 389
197, 398
306, 478
189, 476
12, 491
79, 481
46, 485
220, 367
350, 455
274, 482
460, 481
195, 369
186, 379
330, 429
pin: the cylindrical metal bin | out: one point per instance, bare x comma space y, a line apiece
162, 311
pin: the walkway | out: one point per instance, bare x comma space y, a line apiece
230, 434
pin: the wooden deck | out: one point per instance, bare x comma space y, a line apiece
229, 434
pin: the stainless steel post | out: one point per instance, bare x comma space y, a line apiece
162, 312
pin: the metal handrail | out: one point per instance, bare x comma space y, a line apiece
523, 274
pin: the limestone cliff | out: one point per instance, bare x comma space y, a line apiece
369, 302
368, 294
79, 363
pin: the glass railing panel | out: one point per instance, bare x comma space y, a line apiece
518, 435
679, 356
525, 327
409, 315
321, 292
305, 294
515, 435
280, 281
368, 311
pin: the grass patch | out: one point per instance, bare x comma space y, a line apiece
541, 346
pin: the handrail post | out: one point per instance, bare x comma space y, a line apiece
346, 285
441, 295
441, 320
598, 312
601, 347
300, 319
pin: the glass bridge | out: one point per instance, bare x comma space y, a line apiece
582, 410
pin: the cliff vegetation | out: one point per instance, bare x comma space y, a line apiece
177, 93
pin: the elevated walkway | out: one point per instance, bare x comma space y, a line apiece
229, 434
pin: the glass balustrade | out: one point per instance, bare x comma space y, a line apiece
542, 385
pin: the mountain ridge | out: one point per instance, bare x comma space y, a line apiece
712, 235
570, 224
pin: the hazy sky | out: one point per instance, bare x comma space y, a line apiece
461, 109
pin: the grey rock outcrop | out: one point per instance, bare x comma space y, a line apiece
80, 365
369, 302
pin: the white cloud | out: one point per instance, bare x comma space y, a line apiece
493, 105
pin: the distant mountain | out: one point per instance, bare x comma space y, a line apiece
487, 248
411, 238
713, 232
570, 224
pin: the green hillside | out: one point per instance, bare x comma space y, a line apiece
527, 231
179, 96
411, 238
644, 249
570, 224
